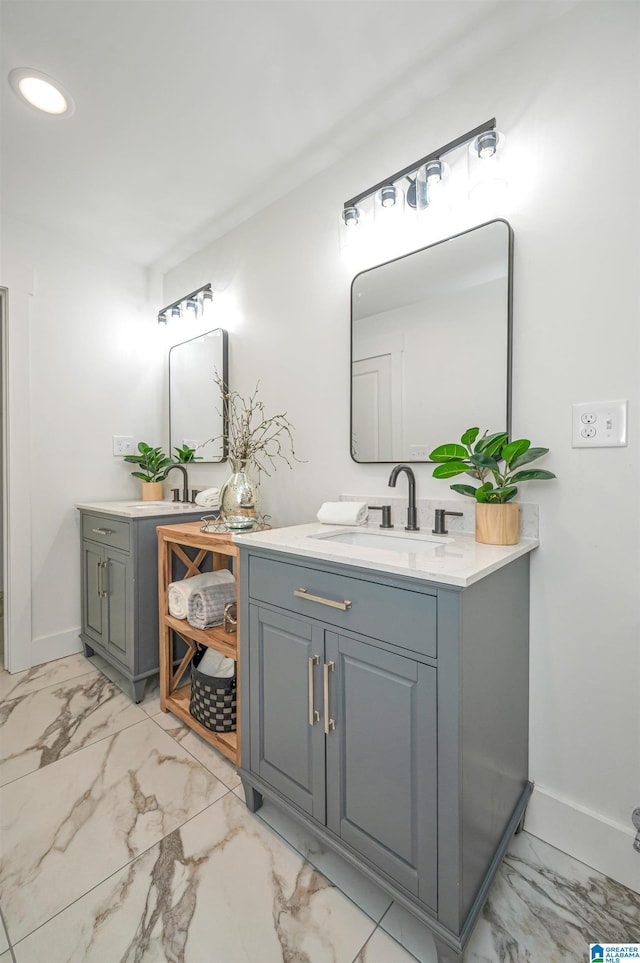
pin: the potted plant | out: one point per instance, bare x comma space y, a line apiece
499, 466
152, 463
185, 455
251, 440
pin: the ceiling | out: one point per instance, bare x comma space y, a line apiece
191, 114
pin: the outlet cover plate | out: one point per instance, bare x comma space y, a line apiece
122, 445
599, 424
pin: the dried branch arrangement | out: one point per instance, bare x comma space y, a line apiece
251, 437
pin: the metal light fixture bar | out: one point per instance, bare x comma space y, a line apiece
434, 155
163, 315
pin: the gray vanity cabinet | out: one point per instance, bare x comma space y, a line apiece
380, 711
107, 597
389, 715
119, 592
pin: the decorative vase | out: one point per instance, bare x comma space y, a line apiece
497, 524
151, 491
238, 497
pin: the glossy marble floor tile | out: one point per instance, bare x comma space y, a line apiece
222, 889
214, 761
543, 905
66, 827
42, 676
41, 725
357, 887
125, 838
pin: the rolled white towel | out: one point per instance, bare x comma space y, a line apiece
343, 513
216, 664
209, 498
180, 592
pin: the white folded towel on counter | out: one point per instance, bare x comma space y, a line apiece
209, 498
205, 607
180, 592
216, 664
343, 513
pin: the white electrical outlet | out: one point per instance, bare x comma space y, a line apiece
599, 424
122, 445
419, 452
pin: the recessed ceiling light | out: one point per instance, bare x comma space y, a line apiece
41, 91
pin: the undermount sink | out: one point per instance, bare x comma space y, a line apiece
389, 541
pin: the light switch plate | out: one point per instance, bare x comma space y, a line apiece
599, 424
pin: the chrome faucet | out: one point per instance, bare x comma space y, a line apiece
185, 477
412, 513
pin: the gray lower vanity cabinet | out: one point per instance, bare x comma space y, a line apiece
389, 715
119, 592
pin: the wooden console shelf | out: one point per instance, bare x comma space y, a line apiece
174, 696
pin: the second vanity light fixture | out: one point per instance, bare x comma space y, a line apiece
422, 185
192, 305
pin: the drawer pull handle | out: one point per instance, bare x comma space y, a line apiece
314, 715
102, 531
303, 594
329, 724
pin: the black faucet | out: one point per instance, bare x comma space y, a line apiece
412, 513
185, 477
439, 527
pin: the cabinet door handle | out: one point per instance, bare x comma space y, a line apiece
303, 594
100, 595
102, 531
314, 715
104, 592
329, 724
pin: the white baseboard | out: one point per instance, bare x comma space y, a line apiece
50, 647
599, 842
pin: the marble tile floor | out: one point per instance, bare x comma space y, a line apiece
125, 838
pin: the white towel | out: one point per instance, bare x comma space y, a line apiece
179, 593
343, 513
216, 664
205, 607
209, 498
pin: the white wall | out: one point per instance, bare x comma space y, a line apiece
568, 101
87, 345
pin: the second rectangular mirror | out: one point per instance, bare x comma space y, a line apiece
195, 403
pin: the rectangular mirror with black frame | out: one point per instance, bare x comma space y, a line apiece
431, 340
195, 401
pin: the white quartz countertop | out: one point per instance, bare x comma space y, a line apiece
454, 559
140, 509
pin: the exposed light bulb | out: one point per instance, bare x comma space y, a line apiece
350, 216
486, 144
388, 196
433, 172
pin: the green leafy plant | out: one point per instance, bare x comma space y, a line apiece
151, 461
497, 463
186, 454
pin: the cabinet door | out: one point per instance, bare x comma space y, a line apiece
286, 749
118, 587
92, 603
381, 761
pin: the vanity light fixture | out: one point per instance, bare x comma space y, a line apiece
425, 179
41, 91
192, 304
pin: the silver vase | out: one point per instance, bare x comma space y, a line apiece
238, 497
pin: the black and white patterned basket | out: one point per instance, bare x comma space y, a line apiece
213, 700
